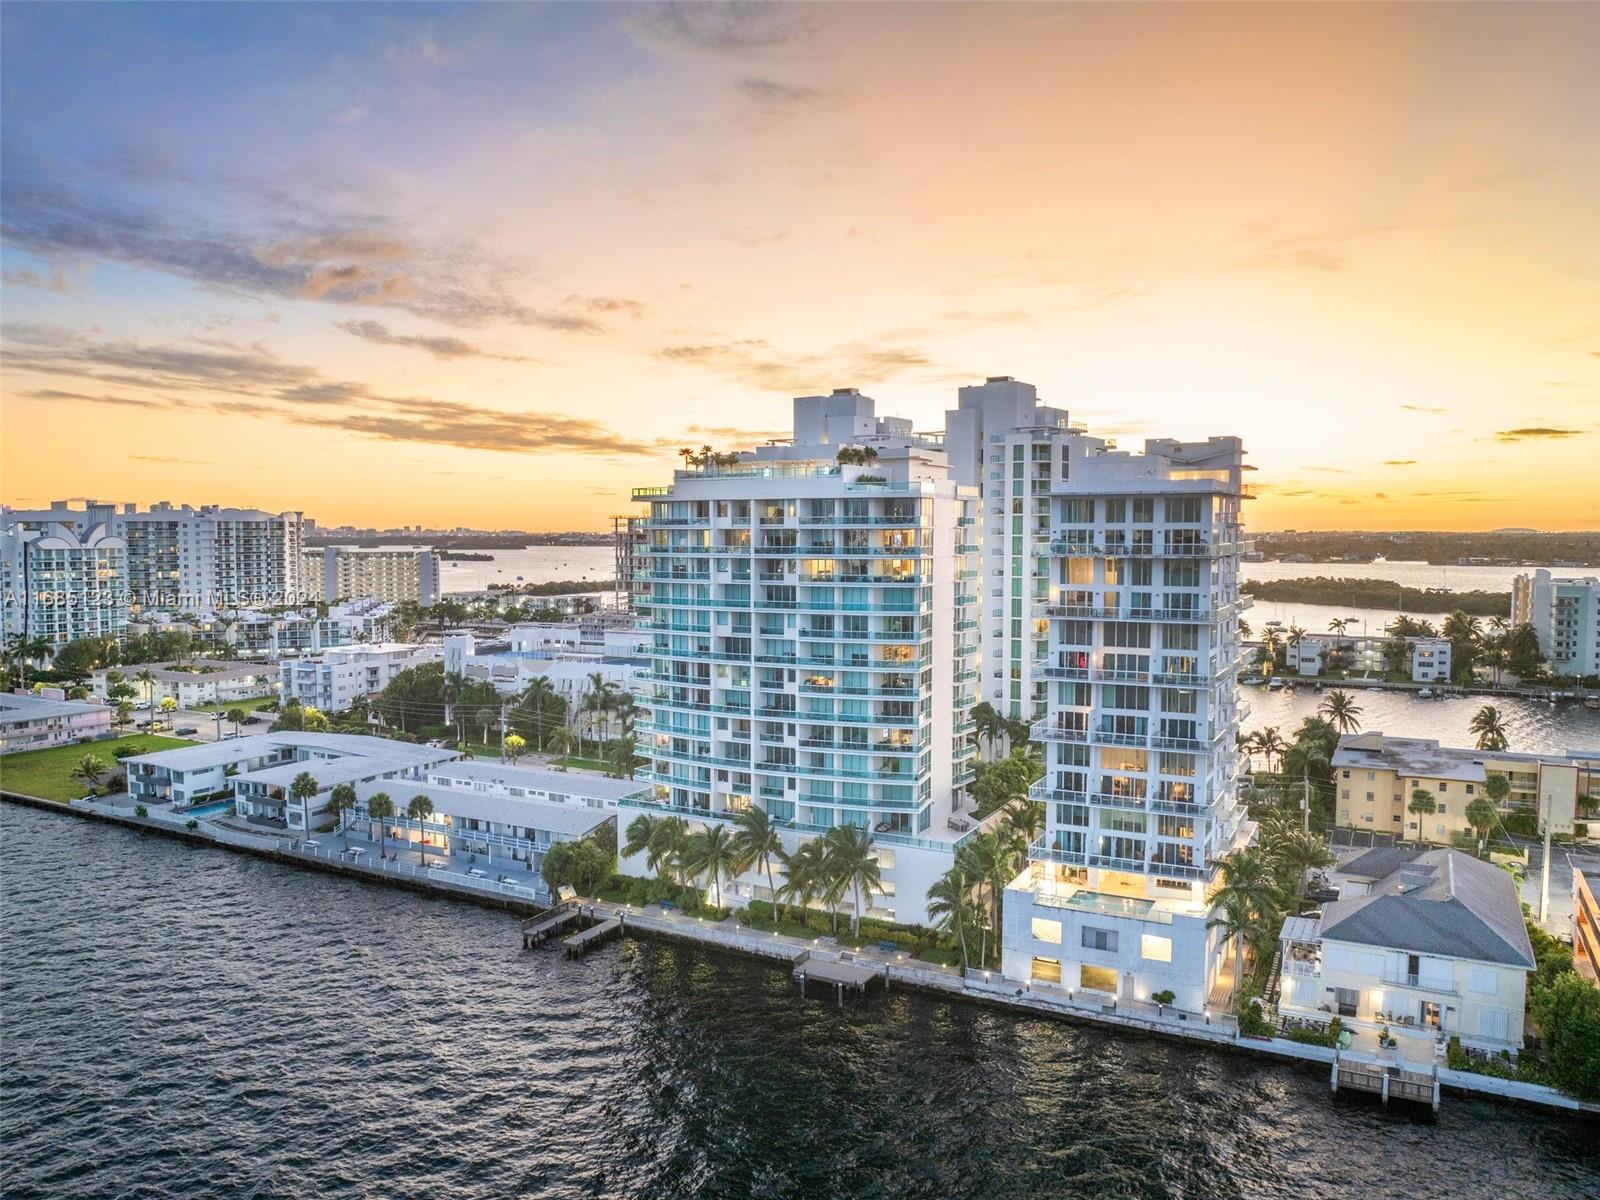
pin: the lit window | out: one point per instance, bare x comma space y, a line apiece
1047, 931
1047, 970
1155, 948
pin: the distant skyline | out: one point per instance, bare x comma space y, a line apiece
491, 265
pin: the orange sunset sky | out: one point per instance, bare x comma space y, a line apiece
491, 265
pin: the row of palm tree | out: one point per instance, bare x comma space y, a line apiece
842, 862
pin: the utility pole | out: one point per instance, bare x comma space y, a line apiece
502, 731
216, 698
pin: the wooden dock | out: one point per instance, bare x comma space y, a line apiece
537, 930
843, 972
582, 943
1387, 1081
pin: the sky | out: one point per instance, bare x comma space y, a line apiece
491, 265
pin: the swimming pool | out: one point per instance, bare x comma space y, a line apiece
214, 809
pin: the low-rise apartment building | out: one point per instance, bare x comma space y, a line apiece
29, 722
1376, 777
1428, 944
189, 684
1427, 659
569, 673
256, 774
335, 679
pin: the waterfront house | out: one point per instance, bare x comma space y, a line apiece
192, 683
1433, 948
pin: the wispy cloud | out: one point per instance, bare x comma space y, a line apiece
729, 28
57, 281
734, 433
756, 361
250, 381
1535, 432
169, 461
1399, 462
776, 96
1423, 408
334, 259
439, 347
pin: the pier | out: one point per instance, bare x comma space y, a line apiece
843, 972
1386, 1080
538, 929
595, 935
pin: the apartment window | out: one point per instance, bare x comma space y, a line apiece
1100, 939
1098, 979
1047, 931
1481, 980
1047, 970
1347, 1000
1155, 948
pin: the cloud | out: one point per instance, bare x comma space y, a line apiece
1399, 462
328, 258
606, 304
733, 433
440, 347
249, 381
1533, 432
1329, 470
775, 96
174, 462
57, 282
1423, 408
728, 28
1321, 250
755, 361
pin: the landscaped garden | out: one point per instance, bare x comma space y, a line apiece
49, 774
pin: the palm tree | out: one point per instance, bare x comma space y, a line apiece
1269, 742
1422, 803
1294, 637
979, 859
566, 737
1342, 711
1294, 856
301, 789
538, 698
341, 800
1246, 900
620, 754
597, 702
802, 874
89, 769
1026, 819
1338, 625
419, 808
756, 844
856, 864
950, 907
237, 717
1481, 815
1491, 731
379, 809
669, 846
711, 853
639, 838
148, 678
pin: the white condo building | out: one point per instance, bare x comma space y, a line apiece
1565, 613
192, 559
1002, 441
348, 573
336, 678
1142, 579
62, 582
814, 642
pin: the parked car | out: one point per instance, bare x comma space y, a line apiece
187, 729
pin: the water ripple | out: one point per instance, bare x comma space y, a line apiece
184, 1022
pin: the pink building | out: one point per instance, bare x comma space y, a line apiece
29, 722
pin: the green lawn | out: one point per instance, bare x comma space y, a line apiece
574, 763
250, 705
48, 773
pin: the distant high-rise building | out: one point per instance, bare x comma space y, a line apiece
192, 559
348, 573
61, 582
1565, 613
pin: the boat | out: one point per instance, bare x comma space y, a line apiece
1275, 684
1425, 694
1591, 703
